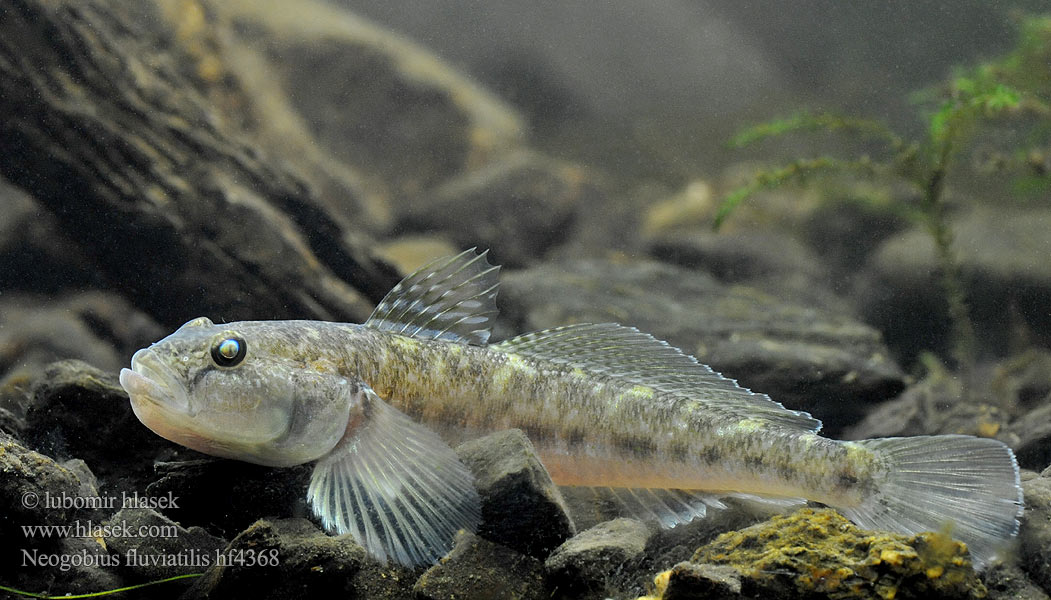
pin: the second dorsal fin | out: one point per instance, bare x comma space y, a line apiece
626, 353
451, 299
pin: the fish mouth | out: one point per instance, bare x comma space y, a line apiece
149, 382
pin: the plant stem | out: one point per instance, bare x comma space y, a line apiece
964, 343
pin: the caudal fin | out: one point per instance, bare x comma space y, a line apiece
970, 484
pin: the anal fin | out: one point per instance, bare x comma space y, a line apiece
668, 507
395, 486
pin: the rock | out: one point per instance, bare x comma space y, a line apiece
1023, 385
1009, 400
410, 252
249, 492
819, 554
773, 262
38, 257
89, 568
801, 356
521, 507
592, 559
936, 404
171, 205
851, 222
36, 490
153, 546
1035, 534
79, 411
692, 581
692, 207
284, 558
478, 568
1001, 253
1007, 581
373, 99
97, 327
472, 210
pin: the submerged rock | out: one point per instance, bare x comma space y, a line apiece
171, 205
1035, 535
521, 507
284, 558
1009, 401
819, 554
30, 481
472, 210
1002, 255
801, 356
152, 546
38, 257
100, 328
249, 491
374, 99
693, 581
773, 262
79, 411
590, 560
479, 569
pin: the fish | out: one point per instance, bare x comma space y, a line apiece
376, 406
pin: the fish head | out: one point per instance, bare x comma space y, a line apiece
246, 390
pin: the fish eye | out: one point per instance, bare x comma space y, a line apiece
229, 351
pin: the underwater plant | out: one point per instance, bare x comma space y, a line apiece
1016, 87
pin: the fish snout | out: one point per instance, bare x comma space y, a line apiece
150, 380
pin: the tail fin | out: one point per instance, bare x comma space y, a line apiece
969, 483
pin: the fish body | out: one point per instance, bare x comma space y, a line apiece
377, 404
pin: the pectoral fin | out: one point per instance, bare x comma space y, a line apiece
395, 486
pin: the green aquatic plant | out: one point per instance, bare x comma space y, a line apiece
1018, 86
25, 594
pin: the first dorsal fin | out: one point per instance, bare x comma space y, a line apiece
451, 299
626, 353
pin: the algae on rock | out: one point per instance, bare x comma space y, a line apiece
819, 554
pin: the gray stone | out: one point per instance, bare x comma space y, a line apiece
1009, 400
89, 569
693, 581
1035, 535
152, 546
1007, 581
479, 569
1002, 254
774, 262
801, 356
100, 328
589, 560
284, 558
250, 492
29, 476
374, 99
521, 507
519, 208
37, 491
79, 411
171, 204
38, 257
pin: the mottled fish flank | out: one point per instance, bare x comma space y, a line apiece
607, 406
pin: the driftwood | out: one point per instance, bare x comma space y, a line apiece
178, 212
